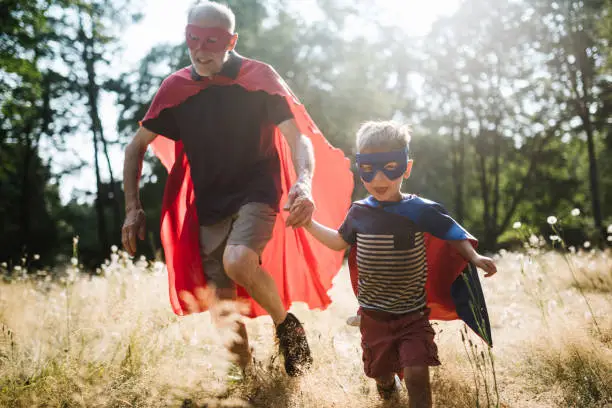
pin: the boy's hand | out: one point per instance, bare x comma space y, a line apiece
486, 264
299, 204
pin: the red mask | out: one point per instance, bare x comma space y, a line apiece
208, 39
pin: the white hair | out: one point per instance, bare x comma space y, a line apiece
213, 11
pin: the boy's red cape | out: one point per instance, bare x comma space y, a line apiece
302, 268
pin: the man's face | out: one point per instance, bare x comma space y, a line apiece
382, 172
208, 46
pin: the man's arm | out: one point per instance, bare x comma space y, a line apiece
132, 169
327, 236
299, 203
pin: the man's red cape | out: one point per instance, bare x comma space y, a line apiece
302, 268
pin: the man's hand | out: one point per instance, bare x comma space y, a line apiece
299, 204
133, 226
486, 264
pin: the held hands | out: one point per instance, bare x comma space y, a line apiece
486, 264
133, 226
300, 204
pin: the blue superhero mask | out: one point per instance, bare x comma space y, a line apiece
375, 162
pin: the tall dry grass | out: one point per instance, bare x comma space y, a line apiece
112, 341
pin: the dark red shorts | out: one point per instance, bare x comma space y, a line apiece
392, 342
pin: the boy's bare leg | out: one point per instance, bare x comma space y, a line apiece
386, 381
387, 387
419, 388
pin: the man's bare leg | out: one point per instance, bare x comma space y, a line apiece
225, 313
419, 388
242, 266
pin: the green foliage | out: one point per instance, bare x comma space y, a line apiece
510, 103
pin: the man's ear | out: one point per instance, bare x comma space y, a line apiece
408, 169
232, 43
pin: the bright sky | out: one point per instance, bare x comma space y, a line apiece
164, 23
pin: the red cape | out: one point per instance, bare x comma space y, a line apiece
302, 267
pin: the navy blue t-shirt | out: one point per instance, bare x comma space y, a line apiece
228, 137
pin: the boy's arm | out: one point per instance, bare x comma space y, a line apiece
327, 236
469, 253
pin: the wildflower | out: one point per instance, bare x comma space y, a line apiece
609, 238
554, 238
587, 244
4, 265
575, 212
36, 257
552, 220
533, 240
572, 249
114, 249
74, 261
17, 268
610, 229
517, 225
75, 240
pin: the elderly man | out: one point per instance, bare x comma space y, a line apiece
231, 131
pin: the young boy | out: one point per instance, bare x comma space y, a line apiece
389, 230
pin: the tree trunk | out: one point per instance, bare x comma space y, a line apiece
458, 174
594, 178
93, 104
24, 204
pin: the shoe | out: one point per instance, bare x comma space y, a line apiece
293, 345
391, 391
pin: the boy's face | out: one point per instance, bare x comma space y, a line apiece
382, 172
208, 46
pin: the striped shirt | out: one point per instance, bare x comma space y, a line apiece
390, 258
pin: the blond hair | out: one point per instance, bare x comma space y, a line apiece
387, 135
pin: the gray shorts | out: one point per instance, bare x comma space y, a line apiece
251, 226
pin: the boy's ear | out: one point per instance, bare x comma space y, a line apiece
408, 169
232, 43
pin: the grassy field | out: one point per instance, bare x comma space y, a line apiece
113, 341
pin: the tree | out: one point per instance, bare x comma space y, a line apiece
573, 49
482, 91
89, 32
27, 116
